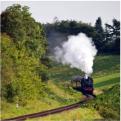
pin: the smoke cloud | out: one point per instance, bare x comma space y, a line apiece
55, 39
78, 52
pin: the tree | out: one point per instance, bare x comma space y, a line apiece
12, 22
113, 36
17, 22
99, 35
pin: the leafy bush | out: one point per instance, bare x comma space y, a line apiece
108, 103
23, 44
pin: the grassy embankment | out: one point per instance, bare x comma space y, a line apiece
57, 92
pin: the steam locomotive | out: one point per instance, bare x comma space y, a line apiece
83, 84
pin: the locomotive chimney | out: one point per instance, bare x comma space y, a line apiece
86, 76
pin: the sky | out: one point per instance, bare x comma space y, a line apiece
85, 11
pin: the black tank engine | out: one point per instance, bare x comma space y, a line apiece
83, 84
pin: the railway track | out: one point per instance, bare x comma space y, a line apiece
48, 112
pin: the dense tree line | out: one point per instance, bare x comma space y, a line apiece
23, 47
106, 39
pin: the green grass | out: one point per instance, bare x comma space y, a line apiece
58, 92
107, 82
10, 110
106, 66
54, 97
81, 114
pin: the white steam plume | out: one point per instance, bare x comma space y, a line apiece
78, 51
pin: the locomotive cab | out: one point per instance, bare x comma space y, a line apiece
76, 83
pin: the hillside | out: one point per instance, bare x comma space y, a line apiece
106, 105
56, 92
106, 68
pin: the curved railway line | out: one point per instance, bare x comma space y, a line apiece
48, 112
